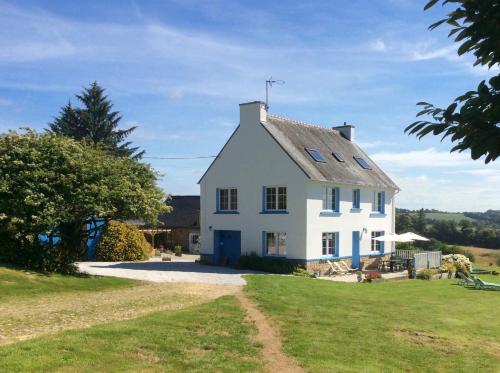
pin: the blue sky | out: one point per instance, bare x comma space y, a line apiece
178, 70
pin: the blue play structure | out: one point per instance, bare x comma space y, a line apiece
94, 229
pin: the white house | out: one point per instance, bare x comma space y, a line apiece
294, 191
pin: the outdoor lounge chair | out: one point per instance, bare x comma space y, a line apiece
344, 266
480, 284
336, 269
464, 280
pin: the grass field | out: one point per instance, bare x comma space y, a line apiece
454, 216
482, 256
15, 283
212, 337
409, 325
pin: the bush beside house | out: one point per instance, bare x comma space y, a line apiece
122, 242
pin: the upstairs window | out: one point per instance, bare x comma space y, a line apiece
362, 163
379, 202
331, 199
228, 199
356, 198
315, 155
338, 156
275, 198
275, 244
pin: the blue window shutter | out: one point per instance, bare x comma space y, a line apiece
382, 209
382, 244
217, 196
337, 244
337, 199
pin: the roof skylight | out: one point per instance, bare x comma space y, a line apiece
316, 155
338, 156
362, 163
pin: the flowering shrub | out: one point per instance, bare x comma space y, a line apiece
426, 274
460, 262
372, 276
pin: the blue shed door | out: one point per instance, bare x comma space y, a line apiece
227, 247
355, 249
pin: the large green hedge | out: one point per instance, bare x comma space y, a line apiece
122, 242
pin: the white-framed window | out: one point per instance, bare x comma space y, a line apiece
377, 245
379, 202
275, 198
330, 243
275, 243
331, 199
227, 199
356, 198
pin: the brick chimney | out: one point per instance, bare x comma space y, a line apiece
347, 131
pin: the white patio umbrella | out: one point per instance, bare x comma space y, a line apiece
413, 236
393, 238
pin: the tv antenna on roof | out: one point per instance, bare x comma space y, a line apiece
269, 84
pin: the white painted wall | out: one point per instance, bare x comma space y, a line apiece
252, 159
347, 221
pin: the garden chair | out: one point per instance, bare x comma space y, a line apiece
335, 268
345, 267
480, 284
464, 280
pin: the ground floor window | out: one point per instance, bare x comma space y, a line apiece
275, 244
377, 245
329, 243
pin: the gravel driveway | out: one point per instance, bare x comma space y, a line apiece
179, 270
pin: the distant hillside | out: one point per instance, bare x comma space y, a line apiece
441, 215
481, 229
488, 217
454, 216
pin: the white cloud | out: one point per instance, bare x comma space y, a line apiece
425, 52
378, 46
473, 194
5, 102
430, 157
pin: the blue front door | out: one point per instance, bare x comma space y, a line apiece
227, 247
355, 249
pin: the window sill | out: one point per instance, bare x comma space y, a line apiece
377, 215
374, 254
227, 212
355, 209
329, 213
274, 212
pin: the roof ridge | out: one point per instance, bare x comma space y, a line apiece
300, 122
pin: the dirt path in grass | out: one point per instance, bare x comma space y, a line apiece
276, 360
22, 319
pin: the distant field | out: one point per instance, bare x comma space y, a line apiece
454, 216
483, 256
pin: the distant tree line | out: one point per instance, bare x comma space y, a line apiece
490, 217
464, 232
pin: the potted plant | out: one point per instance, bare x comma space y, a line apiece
359, 276
316, 271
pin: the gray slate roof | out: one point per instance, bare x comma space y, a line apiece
185, 214
295, 136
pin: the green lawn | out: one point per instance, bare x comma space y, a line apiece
16, 283
209, 338
409, 325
